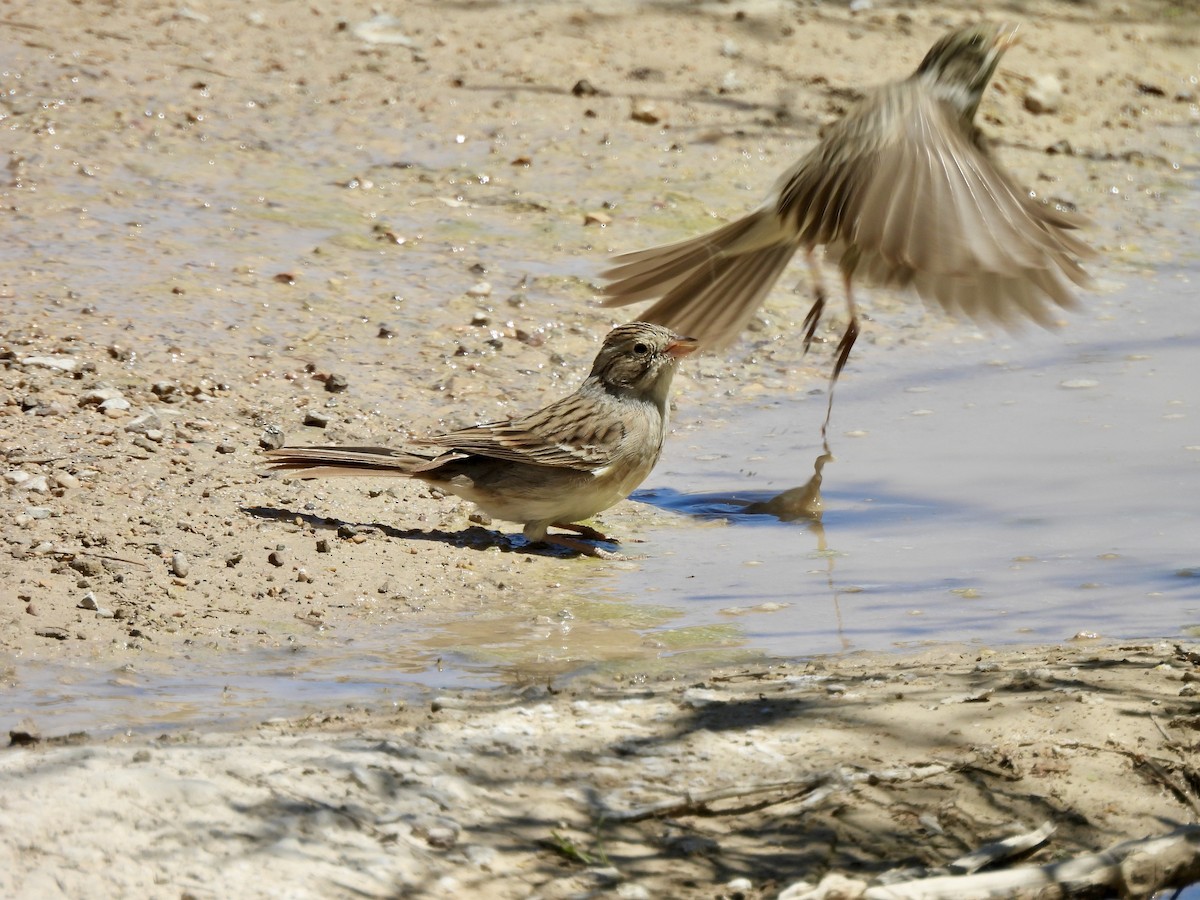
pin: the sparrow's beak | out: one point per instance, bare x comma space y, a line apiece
681, 346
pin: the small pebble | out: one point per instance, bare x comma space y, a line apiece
96, 396
227, 446
37, 512
39, 484
277, 558
87, 565
482, 289
179, 564
143, 424
66, 480
89, 601
645, 113
316, 419
118, 403
272, 438
1044, 95
58, 363
335, 384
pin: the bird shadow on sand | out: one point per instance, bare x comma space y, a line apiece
473, 538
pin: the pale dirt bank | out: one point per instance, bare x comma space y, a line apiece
212, 208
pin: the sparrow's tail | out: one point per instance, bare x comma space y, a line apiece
321, 462
709, 286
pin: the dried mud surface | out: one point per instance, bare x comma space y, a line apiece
225, 222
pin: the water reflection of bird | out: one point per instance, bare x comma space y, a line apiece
804, 503
554, 467
901, 191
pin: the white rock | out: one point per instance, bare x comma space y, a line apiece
115, 403
144, 423
66, 480
96, 396
1044, 95
483, 289
16, 476
39, 484
60, 363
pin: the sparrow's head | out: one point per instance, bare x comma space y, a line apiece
640, 359
960, 65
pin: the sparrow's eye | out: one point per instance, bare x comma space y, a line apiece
640, 349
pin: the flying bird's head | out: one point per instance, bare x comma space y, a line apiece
960, 65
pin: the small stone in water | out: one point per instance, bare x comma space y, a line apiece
482, 289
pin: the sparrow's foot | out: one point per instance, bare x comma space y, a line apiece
585, 531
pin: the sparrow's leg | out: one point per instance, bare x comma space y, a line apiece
843, 350
585, 531
813, 319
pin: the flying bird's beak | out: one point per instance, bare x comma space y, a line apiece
681, 347
1007, 37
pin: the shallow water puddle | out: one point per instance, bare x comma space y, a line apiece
987, 490
1022, 488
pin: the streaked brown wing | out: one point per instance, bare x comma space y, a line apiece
571, 433
923, 204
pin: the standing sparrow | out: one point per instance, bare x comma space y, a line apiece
563, 463
901, 191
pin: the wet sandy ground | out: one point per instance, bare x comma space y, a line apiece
212, 210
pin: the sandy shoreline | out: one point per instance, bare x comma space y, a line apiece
213, 209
